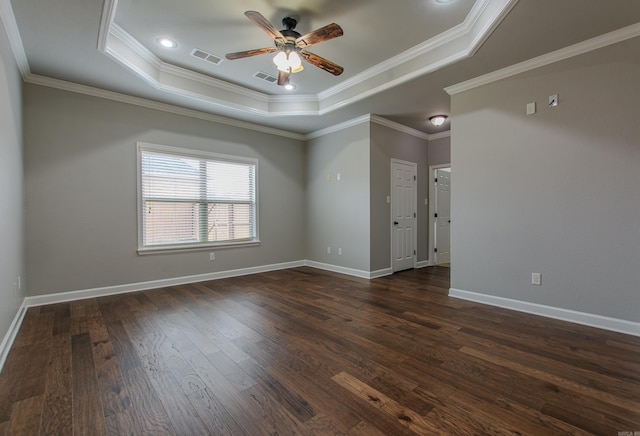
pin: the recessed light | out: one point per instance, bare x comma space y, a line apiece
289, 86
167, 42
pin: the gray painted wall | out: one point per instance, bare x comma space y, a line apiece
387, 144
12, 263
338, 212
440, 151
557, 192
80, 157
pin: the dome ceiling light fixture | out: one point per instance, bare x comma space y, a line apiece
438, 120
291, 46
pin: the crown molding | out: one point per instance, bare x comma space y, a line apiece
15, 41
336, 128
448, 47
440, 135
592, 44
150, 104
106, 21
369, 118
399, 127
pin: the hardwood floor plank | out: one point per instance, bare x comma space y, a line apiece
304, 351
151, 416
231, 371
629, 404
293, 403
303, 382
269, 414
223, 390
57, 409
11, 373
375, 398
213, 413
33, 378
77, 318
321, 425
88, 416
25, 417
180, 411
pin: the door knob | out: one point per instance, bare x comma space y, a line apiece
395, 223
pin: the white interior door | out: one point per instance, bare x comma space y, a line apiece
403, 214
443, 216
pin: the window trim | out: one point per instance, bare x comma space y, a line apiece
198, 154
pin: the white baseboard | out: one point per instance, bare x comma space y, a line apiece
8, 339
589, 319
348, 271
380, 273
62, 297
423, 264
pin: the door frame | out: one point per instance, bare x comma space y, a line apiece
415, 210
432, 210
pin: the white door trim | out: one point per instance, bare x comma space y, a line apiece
432, 209
415, 209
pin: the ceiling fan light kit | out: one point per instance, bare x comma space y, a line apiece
291, 47
288, 61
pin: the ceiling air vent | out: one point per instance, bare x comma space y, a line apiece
266, 77
201, 54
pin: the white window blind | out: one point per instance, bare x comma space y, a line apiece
191, 199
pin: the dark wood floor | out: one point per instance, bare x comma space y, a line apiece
303, 351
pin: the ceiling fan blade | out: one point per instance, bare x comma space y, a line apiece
259, 20
325, 33
321, 62
283, 78
249, 53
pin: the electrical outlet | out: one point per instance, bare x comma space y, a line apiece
339, 251
328, 250
212, 256
536, 279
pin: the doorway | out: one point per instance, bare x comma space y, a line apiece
403, 214
440, 214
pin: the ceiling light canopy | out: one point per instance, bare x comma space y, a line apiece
438, 120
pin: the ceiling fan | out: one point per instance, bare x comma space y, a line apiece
291, 46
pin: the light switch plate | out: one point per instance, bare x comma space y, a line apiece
531, 108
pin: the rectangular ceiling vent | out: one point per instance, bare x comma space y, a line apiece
201, 54
266, 77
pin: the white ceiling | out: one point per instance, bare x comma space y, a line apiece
397, 56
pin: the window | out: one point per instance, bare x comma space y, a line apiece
191, 199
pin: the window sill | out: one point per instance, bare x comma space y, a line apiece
163, 249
